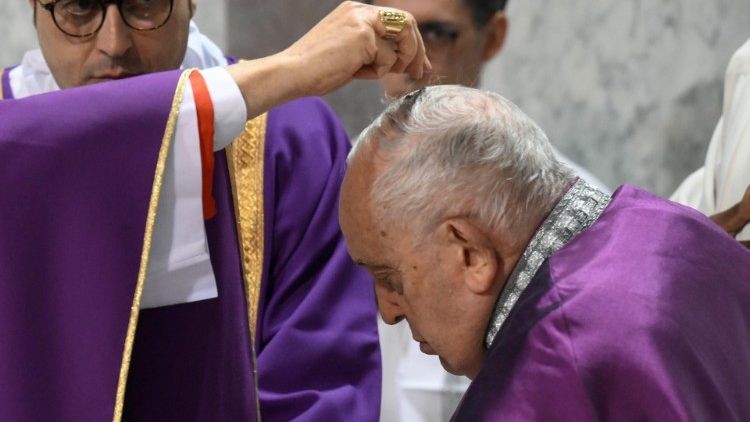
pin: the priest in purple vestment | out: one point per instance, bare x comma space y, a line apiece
559, 302
170, 244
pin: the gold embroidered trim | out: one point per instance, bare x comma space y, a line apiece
2, 74
150, 219
245, 158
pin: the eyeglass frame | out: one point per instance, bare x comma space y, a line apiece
50, 7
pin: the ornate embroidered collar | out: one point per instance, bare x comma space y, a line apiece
578, 209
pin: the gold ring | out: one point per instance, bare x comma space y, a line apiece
394, 22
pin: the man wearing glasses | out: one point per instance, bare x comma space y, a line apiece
134, 194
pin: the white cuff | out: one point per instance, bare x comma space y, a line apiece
230, 112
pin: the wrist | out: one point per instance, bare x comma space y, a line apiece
266, 82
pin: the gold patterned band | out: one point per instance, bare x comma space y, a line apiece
394, 22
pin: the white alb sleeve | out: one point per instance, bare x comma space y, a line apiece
180, 268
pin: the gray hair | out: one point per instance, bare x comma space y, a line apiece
453, 151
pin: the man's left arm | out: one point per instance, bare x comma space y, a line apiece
318, 352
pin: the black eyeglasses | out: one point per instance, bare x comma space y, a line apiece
82, 18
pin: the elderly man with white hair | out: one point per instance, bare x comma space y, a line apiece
557, 300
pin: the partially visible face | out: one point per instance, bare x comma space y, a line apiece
453, 42
116, 51
419, 285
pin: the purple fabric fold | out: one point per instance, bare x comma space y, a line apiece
76, 173
318, 313
644, 316
76, 178
318, 354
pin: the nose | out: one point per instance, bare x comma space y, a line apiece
114, 37
389, 307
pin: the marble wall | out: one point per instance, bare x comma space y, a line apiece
629, 89
16, 31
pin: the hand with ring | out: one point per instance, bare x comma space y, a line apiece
355, 41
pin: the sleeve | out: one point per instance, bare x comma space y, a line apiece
732, 157
725, 175
77, 177
180, 268
318, 353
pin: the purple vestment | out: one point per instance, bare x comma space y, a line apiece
72, 215
645, 315
78, 167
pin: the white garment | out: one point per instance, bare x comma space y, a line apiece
180, 268
722, 180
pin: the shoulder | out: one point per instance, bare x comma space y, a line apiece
637, 214
647, 261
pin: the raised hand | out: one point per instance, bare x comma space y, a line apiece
351, 42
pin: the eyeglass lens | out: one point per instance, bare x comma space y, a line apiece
85, 17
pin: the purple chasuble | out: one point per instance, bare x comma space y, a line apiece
318, 353
77, 174
76, 179
644, 315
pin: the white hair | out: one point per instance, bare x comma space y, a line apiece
453, 151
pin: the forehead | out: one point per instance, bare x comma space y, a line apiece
432, 10
367, 238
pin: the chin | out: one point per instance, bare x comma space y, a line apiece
450, 368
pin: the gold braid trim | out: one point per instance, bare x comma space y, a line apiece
245, 158
150, 219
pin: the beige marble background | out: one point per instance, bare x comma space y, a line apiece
630, 89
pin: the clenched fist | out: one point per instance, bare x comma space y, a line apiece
347, 44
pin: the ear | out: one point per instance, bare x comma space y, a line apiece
494, 36
193, 7
472, 252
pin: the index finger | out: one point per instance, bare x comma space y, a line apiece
420, 62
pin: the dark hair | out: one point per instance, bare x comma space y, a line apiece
483, 10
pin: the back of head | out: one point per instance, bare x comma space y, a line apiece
448, 151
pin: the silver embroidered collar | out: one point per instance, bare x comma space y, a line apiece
578, 209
